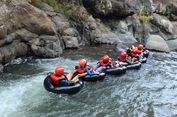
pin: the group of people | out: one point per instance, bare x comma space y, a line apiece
131, 56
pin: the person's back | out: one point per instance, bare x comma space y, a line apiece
59, 79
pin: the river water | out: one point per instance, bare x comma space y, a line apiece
148, 92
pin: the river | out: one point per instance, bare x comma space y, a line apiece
148, 92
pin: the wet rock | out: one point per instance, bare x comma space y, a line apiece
71, 42
46, 46
155, 42
172, 44
11, 51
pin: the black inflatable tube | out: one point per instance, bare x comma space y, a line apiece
116, 71
146, 55
144, 60
94, 77
134, 66
64, 89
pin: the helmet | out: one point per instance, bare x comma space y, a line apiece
82, 62
135, 51
123, 55
140, 46
105, 59
59, 70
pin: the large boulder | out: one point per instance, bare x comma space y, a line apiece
13, 50
117, 8
124, 35
172, 44
163, 23
22, 27
46, 46
155, 42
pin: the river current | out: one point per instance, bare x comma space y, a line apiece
148, 92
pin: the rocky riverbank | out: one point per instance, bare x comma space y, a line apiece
45, 29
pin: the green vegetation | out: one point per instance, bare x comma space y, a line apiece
143, 15
68, 8
53, 3
37, 3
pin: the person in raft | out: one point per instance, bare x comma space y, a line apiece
124, 60
59, 79
129, 50
82, 70
140, 51
134, 56
104, 63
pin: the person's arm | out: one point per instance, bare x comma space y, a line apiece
89, 72
82, 75
66, 82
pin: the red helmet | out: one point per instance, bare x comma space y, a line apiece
59, 71
105, 59
123, 55
82, 62
140, 46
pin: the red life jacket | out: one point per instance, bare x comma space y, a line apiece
81, 71
139, 52
134, 55
56, 79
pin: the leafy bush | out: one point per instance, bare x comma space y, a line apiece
37, 3
53, 3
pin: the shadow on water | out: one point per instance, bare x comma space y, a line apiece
148, 92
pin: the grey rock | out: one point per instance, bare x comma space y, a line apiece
61, 23
71, 42
117, 8
13, 50
155, 42
46, 46
172, 44
24, 35
1, 68
163, 23
71, 32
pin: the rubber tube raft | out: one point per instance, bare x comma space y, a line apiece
144, 60
146, 55
134, 66
94, 78
116, 70
48, 85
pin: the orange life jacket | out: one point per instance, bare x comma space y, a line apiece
56, 80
